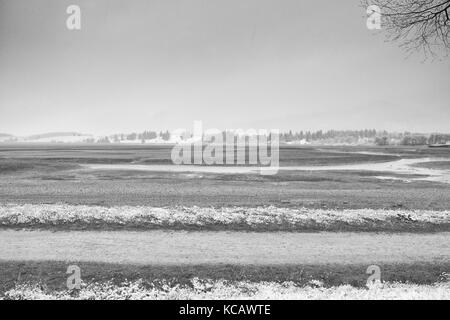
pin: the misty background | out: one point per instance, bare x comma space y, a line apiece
138, 65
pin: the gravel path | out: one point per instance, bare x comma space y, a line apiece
181, 247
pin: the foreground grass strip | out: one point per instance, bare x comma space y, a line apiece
220, 289
53, 273
269, 218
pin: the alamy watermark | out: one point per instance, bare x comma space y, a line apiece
374, 280
253, 148
375, 276
373, 17
74, 279
73, 21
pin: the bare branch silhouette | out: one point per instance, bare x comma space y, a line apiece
416, 24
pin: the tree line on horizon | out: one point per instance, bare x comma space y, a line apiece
331, 136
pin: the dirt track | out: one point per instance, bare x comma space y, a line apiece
180, 247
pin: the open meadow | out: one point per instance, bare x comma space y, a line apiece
139, 227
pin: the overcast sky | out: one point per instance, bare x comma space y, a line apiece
146, 64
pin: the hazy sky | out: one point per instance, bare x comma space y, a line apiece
146, 64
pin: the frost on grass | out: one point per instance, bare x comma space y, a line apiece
221, 289
270, 217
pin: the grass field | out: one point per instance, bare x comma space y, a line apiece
37, 280
53, 273
55, 188
54, 174
435, 165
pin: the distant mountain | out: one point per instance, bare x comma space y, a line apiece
70, 137
6, 137
53, 135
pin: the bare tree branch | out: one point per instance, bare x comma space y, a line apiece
416, 24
